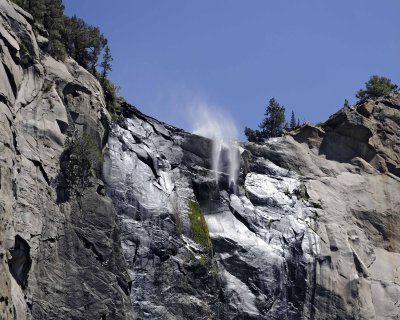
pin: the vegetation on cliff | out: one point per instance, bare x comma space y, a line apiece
200, 233
274, 122
272, 125
81, 160
72, 36
376, 87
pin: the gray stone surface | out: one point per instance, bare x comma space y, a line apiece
300, 238
58, 259
310, 231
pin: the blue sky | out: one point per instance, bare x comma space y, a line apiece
236, 55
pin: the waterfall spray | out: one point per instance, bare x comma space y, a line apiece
221, 129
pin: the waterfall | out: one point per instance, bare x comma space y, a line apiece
221, 129
234, 163
231, 149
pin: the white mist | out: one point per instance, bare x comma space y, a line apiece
220, 128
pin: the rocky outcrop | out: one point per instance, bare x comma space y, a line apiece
368, 132
309, 231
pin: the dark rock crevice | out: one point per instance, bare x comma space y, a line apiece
11, 80
75, 90
149, 161
242, 219
15, 143
11, 48
21, 262
297, 276
39, 165
90, 246
63, 126
4, 100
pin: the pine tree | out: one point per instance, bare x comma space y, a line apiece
24, 4
106, 63
70, 35
274, 120
35, 7
253, 135
272, 125
84, 43
53, 21
38, 9
21, 3
95, 47
292, 121
376, 87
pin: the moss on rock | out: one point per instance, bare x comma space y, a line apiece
199, 228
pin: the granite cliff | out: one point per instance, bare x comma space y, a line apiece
310, 230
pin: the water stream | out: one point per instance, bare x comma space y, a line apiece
221, 129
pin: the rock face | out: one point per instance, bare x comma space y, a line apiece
263, 250
310, 230
59, 258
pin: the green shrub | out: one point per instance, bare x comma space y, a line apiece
114, 102
253, 135
376, 87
